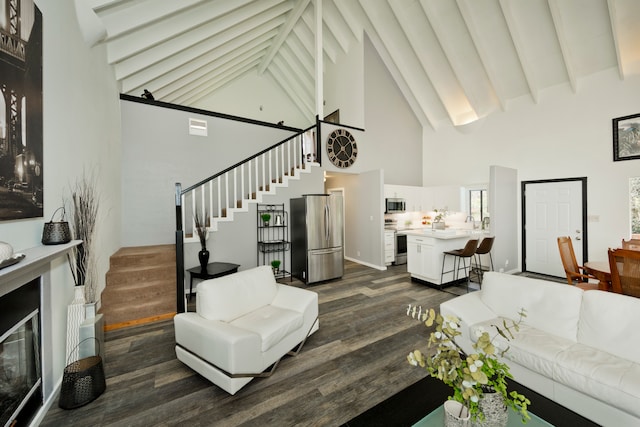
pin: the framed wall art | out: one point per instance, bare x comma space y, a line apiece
21, 120
626, 138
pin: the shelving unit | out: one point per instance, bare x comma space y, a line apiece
273, 237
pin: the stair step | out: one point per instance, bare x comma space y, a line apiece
141, 274
143, 255
144, 309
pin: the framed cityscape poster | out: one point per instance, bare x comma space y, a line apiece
21, 126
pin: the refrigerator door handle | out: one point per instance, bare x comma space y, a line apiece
327, 223
325, 252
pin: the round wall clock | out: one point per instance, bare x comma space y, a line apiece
342, 148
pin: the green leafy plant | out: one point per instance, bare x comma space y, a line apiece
275, 264
265, 218
469, 375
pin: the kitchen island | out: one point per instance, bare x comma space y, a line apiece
425, 252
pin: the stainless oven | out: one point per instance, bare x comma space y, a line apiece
401, 248
394, 205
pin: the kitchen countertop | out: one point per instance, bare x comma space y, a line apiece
445, 234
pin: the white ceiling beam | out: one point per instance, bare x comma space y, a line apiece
561, 33
348, 11
336, 25
221, 81
432, 58
305, 36
201, 39
298, 70
202, 84
152, 79
519, 44
184, 25
292, 19
478, 97
329, 43
483, 51
304, 92
211, 67
294, 44
142, 13
400, 53
280, 79
623, 15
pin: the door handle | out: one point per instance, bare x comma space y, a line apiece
578, 238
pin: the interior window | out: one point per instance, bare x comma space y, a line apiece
634, 196
478, 204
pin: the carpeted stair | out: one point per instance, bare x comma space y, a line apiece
140, 286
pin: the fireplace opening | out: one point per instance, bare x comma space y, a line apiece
20, 366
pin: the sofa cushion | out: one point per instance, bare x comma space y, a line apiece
530, 347
609, 321
600, 374
229, 297
271, 323
551, 307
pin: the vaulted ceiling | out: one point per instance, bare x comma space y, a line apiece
454, 60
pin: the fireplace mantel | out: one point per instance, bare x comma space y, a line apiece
30, 267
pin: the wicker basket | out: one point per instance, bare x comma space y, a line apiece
82, 382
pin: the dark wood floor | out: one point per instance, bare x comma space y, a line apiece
356, 360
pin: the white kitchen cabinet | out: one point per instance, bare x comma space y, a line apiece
447, 196
425, 254
389, 247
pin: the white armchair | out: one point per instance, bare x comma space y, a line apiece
243, 325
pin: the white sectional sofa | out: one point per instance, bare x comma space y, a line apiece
243, 324
579, 348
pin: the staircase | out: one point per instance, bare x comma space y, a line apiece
140, 286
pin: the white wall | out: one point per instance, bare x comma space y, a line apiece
364, 217
565, 135
158, 152
81, 130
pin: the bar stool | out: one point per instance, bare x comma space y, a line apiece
483, 249
468, 251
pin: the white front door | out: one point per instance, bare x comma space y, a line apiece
552, 209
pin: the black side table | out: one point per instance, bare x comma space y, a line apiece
214, 269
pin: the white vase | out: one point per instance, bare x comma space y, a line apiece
494, 409
75, 317
456, 414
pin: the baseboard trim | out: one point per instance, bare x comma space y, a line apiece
367, 264
138, 322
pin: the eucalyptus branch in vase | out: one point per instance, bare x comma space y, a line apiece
85, 203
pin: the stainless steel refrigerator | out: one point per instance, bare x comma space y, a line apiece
317, 228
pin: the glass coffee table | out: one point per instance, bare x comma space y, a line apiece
436, 419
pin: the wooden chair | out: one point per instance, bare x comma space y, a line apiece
631, 244
625, 271
576, 274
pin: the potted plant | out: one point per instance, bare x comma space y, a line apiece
275, 264
265, 218
202, 230
471, 376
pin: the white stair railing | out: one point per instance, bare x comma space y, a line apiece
218, 197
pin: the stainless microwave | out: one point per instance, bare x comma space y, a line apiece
395, 205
